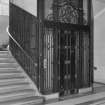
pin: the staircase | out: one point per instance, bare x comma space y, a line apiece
15, 89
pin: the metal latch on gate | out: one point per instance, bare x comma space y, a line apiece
67, 62
45, 63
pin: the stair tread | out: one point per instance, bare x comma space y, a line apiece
10, 80
5, 56
31, 102
12, 77
16, 93
8, 68
10, 89
10, 71
15, 89
10, 74
23, 100
9, 64
13, 84
15, 96
7, 59
4, 52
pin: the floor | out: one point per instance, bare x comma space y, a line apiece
95, 98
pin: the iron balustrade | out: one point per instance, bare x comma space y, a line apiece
24, 59
23, 29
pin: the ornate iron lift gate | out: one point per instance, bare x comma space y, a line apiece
66, 46
55, 47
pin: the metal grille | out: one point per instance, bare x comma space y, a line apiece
48, 59
67, 11
23, 30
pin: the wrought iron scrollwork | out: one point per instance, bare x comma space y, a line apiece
65, 11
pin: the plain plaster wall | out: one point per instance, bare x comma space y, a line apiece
99, 40
4, 7
28, 5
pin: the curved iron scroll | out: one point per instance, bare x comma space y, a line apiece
64, 11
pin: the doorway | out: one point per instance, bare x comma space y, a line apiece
74, 59
67, 62
67, 49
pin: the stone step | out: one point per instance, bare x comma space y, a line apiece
8, 65
10, 74
4, 52
5, 55
14, 97
23, 100
17, 92
3, 77
5, 89
2, 71
4, 81
36, 100
13, 81
9, 69
7, 60
11, 84
14, 88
